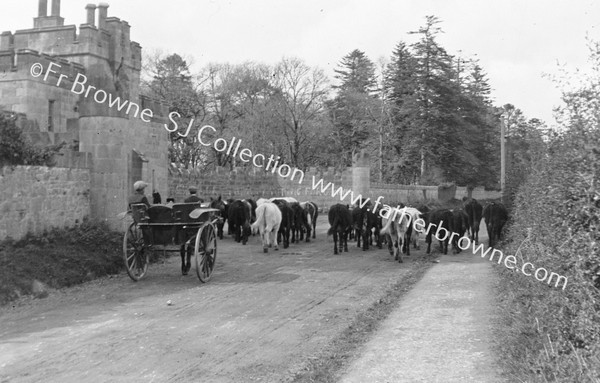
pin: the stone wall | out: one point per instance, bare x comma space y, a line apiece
256, 183
37, 198
238, 184
478, 193
304, 191
403, 193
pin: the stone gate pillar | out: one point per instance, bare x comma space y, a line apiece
361, 174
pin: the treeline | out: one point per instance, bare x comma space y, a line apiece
425, 116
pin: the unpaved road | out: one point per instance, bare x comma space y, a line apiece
441, 332
260, 318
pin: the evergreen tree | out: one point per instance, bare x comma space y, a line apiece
353, 109
433, 116
356, 73
442, 114
171, 83
400, 87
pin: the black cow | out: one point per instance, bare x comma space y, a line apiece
239, 220
474, 214
223, 212
228, 203
300, 223
312, 211
340, 221
460, 224
495, 216
375, 221
424, 210
441, 218
357, 225
252, 209
364, 221
287, 217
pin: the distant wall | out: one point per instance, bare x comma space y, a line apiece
403, 193
255, 183
37, 198
238, 184
478, 193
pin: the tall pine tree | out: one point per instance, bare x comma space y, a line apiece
353, 108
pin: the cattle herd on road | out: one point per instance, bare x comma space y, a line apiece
284, 220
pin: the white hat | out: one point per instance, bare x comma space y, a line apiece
139, 185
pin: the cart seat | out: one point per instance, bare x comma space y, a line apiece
160, 214
139, 212
181, 212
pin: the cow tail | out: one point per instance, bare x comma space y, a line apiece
260, 214
387, 228
334, 225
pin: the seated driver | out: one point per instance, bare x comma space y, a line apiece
193, 197
138, 196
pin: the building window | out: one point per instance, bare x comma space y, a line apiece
51, 115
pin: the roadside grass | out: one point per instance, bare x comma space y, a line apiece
58, 258
552, 334
327, 366
545, 334
548, 334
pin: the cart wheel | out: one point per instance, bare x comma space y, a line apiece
205, 251
135, 253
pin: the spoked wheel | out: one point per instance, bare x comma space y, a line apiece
205, 252
135, 252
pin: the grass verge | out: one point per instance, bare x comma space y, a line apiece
325, 367
58, 258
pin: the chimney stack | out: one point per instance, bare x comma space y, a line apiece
43, 8
55, 8
102, 14
45, 21
91, 14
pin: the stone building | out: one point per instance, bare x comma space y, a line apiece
120, 145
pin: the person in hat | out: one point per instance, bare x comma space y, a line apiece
156, 198
138, 196
193, 197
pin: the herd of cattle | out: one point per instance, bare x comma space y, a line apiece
285, 220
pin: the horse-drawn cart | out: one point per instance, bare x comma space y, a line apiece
165, 228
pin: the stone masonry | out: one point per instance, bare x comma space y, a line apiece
123, 147
37, 198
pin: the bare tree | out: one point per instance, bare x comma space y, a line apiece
300, 96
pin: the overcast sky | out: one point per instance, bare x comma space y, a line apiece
515, 41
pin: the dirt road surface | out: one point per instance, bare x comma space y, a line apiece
441, 332
261, 318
